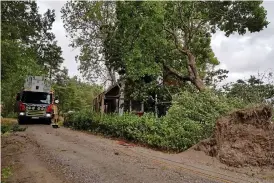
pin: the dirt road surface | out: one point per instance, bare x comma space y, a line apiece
44, 154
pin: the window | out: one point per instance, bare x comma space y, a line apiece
37, 97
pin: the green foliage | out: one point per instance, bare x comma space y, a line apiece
94, 23
200, 110
16, 65
74, 94
81, 120
214, 77
191, 119
5, 173
139, 38
252, 90
11, 127
12, 115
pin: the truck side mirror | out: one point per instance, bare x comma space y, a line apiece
18, 97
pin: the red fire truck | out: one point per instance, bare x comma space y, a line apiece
35, 101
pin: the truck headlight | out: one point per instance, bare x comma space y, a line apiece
21, 113
48, 115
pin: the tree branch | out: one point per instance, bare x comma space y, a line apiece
176, 73
177, 44
181, 17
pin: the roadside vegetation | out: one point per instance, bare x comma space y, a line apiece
5, 174
191, 119
10, 125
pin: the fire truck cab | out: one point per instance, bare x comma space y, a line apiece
35, 101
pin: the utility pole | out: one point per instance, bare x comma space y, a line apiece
159, 82
156, 103
50, 74
122, 98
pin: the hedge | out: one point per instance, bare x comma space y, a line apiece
190, 119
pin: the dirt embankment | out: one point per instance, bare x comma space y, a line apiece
245, 137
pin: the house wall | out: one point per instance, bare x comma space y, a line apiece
135, 106
111, 105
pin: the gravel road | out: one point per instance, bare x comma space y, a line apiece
44, 154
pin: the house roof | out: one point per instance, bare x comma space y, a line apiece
111, 87
108, 90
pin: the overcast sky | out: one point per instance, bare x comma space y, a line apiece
241, 55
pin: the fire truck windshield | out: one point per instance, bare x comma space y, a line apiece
36, 97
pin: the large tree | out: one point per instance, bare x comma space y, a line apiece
22, 24
89, 25
183, 28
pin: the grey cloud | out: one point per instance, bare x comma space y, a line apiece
248, 54
67, 52
56, 5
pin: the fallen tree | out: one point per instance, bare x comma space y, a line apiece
244, 137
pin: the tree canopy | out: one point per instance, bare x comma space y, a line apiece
73, 93
148, 38
255, 89
29, 47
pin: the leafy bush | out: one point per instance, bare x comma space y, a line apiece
5, 174
10, 125
11, 128
196, 113
190, 119
256, 89
11, 115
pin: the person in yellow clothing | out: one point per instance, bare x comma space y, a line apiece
55, 112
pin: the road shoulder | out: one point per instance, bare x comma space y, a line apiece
21, 156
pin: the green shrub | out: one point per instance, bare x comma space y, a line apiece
11, 115
11, 127
5, 174
190, 119
5, 128
196, 113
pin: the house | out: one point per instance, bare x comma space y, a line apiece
108, 101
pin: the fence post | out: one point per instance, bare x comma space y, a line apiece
130, 106
102, 104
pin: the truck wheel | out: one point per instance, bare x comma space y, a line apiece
48, 121
21, 121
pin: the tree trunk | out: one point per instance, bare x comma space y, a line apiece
196, 81
111, 75
193, 72
102, 104
121, 98
199, 84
